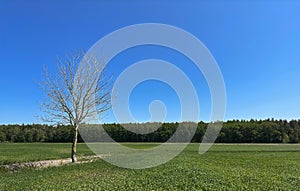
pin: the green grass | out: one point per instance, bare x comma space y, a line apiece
224, 167
23, 152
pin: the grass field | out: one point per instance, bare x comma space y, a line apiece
224, 167
23, 152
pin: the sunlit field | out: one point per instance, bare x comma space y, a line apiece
24, 152
223, 167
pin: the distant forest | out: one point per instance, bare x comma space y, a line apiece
235, 131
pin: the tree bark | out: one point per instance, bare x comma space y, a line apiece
74, 144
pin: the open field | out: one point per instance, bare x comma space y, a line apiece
24, 152
224, 167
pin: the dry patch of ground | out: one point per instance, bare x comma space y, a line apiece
50, 163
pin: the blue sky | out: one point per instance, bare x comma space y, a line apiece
255, 43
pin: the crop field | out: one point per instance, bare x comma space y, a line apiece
24, 152
223, 167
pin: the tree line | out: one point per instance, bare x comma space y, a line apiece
234, 131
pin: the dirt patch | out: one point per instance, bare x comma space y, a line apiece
50, 163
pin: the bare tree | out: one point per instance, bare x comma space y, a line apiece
78, 93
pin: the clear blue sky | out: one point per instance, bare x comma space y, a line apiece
256, 44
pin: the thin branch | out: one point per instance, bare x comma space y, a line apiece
77, 93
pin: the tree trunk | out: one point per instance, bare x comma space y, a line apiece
73, 153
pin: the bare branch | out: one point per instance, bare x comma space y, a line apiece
79, 92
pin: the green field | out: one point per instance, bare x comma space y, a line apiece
24, 152
224, 167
